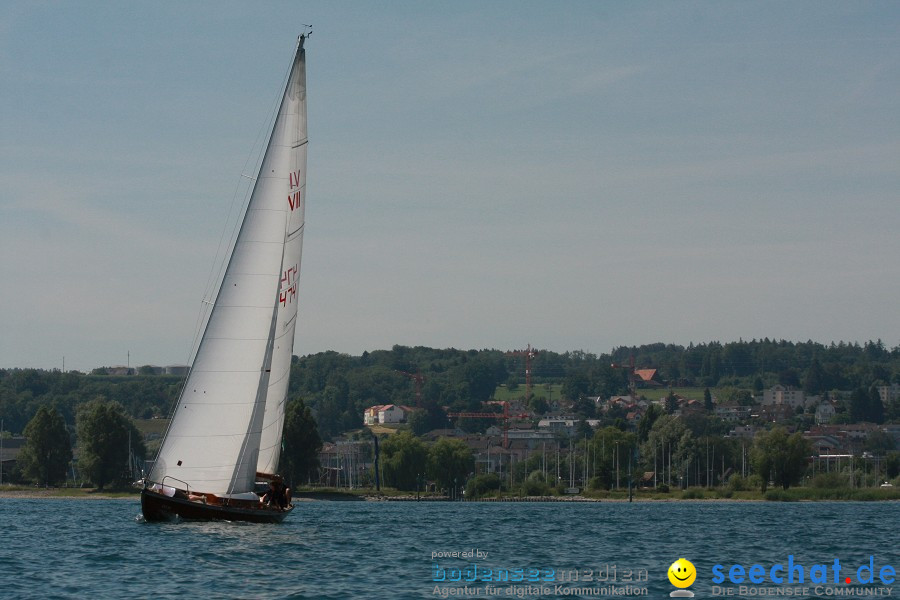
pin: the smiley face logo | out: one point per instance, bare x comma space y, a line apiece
682, 573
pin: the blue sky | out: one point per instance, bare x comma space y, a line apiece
573, 175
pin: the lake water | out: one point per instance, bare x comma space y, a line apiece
58, 548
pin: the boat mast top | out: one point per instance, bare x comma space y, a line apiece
307, 32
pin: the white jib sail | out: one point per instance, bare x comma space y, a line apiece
242, 362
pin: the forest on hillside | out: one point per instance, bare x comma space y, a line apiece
339, 387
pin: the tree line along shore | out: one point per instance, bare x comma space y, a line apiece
621, 430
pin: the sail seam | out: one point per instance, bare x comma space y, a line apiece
285, 327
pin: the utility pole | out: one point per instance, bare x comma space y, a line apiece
557, 463
571, 465
630, 477
544, 460
584, 467
743, 472
617, 465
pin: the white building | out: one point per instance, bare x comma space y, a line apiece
385, 414
889, 393
370, 415
733, 413
787, 395
824, 412
391, 413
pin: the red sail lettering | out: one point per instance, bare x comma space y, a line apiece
294, 200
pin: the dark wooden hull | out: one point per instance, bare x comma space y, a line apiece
158, 507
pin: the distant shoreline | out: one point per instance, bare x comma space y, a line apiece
91, 494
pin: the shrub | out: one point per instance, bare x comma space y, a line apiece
738, 484
754, 482
776, 495
596, 483
481, 485
535, 485
828, 481
535, 488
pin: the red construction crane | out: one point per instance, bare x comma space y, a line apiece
419, 379
632, 388
529, 354
487, 415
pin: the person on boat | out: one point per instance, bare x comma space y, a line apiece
277, 495
269, 496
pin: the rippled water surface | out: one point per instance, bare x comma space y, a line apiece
101, 548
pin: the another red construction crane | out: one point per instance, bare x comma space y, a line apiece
487, 415
529, 354
419, 379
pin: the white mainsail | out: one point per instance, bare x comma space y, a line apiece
229, 418
276, 395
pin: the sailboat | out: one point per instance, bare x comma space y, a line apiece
225, 434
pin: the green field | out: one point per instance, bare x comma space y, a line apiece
552, 392
689, 392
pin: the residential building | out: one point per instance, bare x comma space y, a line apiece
370, 415
647, 378
788, 396
564, 424
889, 393
732, 412
824, 445
824, 413
743, 431
777, 413
386, 414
